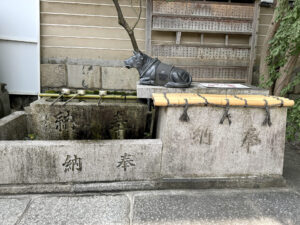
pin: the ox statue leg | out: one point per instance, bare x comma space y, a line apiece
146, 81
179, 79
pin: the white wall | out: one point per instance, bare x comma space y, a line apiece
19, 46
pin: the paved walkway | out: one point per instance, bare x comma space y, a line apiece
220, 207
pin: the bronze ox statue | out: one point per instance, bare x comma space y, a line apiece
154, 72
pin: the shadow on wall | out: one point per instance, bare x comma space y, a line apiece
18, 102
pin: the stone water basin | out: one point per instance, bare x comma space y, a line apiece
75, 148
53, 147
85, 120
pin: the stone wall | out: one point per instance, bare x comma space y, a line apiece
14, 126
54, 76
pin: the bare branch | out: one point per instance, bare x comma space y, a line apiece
124, 24
139, 17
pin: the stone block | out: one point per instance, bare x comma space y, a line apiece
216, 207
87, 120
12, 209
53, 75
84, 76
39, 162
119, 78
88, 210
14, 126
146, 91
203, 147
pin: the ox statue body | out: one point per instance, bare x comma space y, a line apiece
154, 72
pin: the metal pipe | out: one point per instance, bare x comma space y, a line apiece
122, 97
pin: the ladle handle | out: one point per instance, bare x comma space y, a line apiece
57, 99
70, 99
100, 100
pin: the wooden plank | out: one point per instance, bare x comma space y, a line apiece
148, 34
203, 8
90, 32
253, 41
69, 19
226, 40
203, 53
178, 38
84, 53
206, 45
105, 10
228, 18
201, 31
123, 3
88, 42
217, 73
208, 25
194, 62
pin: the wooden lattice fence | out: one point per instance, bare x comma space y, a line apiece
223, 62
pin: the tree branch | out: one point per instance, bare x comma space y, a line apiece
264, 67
125, 25
275, 23
286, 73
139, 16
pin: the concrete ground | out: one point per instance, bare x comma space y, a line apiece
225, 206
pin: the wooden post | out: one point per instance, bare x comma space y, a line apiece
149, 8
253, 40
226, 39
178, 37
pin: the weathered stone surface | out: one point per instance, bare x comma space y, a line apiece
87, 120
53, 75
119, 78
279, 207
203, 147
25, 162
145, 91
87, 210
13, 126
217, 208
84, 76
4, 101
12, 209
155, 184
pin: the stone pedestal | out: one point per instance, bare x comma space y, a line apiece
203, 147
146, 91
